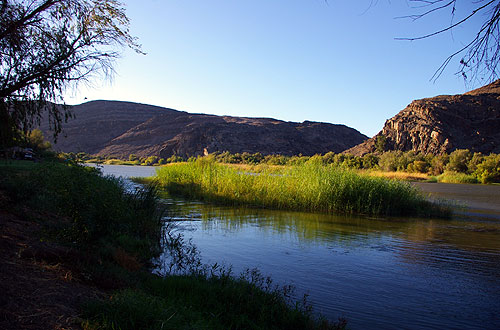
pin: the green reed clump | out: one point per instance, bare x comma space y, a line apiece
308, 187
456, 177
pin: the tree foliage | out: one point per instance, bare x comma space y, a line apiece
478, 57
48, 46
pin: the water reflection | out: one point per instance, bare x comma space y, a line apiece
462, 233
379, 272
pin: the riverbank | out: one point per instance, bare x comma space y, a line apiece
460, 166
78, 249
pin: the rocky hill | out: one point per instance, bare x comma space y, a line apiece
118, 129
442, 124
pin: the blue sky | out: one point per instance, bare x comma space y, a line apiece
293, 60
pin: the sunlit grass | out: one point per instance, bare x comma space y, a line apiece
454, 177
404, 176
309, 187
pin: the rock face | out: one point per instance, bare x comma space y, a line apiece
443, 123
118, 129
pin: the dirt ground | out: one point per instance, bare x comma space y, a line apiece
39, 287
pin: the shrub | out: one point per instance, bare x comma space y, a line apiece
419, 166
174, 159
151, 160
329, 157
459, 159
476, 159
394, 161
456, 177
276, 159
380, 143
438, 164
488, 171
370, 161
37, 141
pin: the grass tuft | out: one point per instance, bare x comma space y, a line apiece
307, 187
456, 177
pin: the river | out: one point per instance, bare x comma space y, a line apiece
379, 273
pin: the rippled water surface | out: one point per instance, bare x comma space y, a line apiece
394, 273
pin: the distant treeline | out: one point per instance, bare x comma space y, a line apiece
461, 165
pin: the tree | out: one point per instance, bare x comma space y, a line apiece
479, 57
48, 46
380, 143
37, 141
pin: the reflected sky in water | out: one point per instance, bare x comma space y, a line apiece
379, 273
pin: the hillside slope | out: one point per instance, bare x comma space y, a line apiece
444, 123
118, 129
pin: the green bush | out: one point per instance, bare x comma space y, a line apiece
488, 171
456, 177
438, 164
151, 160
419, 166
393, 161
370, 161
276, 159
459, 159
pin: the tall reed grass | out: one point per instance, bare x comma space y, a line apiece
307, 187
456, 177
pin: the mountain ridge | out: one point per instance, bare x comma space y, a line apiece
118, 129
442, 124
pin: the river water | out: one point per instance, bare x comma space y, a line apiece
379, 273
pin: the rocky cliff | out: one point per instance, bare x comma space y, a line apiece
442, 124
118, 129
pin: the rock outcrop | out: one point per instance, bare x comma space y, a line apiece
118, 129
442, 124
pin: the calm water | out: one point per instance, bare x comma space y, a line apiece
379, 273
126, 171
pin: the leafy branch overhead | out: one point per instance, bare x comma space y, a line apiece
49, 46
480, 56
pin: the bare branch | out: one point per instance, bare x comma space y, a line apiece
482, 53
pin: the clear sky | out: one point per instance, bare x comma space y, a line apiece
293, 60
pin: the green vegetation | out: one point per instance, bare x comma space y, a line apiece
200, 302
310, 186
83, 157
100, 215
484, 168
456, 177
119, 234
478, 168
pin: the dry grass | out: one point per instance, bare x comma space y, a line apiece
403, 176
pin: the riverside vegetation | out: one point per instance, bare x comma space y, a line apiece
460, 166
310, 186
118, 237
